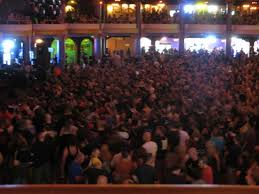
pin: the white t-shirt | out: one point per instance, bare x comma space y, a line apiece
184, 137
151, 148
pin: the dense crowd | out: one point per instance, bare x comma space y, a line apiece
205, 18
160, 17
246, 19
164, 118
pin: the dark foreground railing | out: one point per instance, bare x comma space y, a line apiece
126, 189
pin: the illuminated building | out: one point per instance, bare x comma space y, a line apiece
114, 25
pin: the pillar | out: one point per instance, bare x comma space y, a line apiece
98, 46
153, 41
26, 49
62, 16
252, 41
181, 29
139, 28
78, 44
229, 29
62, 55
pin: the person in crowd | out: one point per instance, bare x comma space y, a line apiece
145, 173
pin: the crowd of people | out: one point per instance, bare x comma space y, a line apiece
161, 118
160, 17
246, 19
205, 18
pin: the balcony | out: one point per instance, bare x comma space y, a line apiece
205, 28
119, 28
16, 29
160, 28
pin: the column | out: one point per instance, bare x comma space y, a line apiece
153, 41
78, 44
139, 26
98, 47
229, 28
181, 29
62, 16
252, 41
62, 55
26, 49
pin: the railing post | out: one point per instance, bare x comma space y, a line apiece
229, 28
181, 28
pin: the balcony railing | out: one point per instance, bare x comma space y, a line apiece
127, 189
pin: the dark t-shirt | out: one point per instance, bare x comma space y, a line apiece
173, 139
41, 153
191, 164
146, 174
93, 174
160, 152
175, 179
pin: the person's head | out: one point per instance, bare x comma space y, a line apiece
211, 148
139, 156
41, 137
105, 148
1, 159
252, 177
48, 118
96, 153
79, 158
102, 180
160, 131
193, 154
147, 136
73, 149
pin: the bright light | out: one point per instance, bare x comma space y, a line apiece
132, 6
246, 6
213, 8
188, 8
100, 2
69, 8
8, 45
163, 39
171, 13
160, 47
200, 6
146, 43
160, 5
253, 8
124, 6
209, 43
109, 9
232, 12
115, 4
239, 44
39, 41
211, 39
